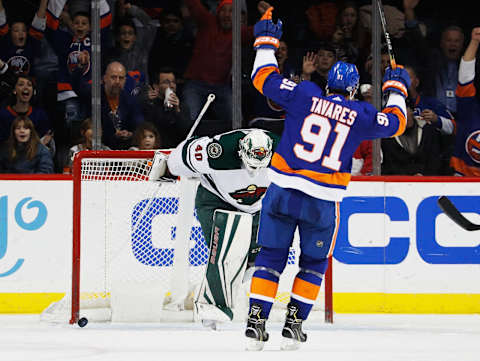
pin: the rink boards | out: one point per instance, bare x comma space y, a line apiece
396, 252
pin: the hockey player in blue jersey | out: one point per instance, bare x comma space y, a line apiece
310, 171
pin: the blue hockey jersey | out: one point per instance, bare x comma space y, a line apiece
466, 154
20, 59
321, 132
67, 47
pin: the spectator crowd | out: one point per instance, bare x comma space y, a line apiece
160, 60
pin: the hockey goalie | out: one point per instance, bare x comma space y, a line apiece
232, 170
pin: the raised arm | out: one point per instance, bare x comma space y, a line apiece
3, 21
198, 12
146, 37
267, 40
39, 21
42, 9
54, 10
472, 47
466, 70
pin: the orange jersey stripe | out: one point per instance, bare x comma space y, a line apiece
14, 113
11, 111
463, 168
35, 33
52, 23
454, 126
262, 75
465, 91
106, 21
261, 286
335, 232
401, 117
4, 30
63, 86
134, 73
334, 178
305, 289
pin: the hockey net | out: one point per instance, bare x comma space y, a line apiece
138, 253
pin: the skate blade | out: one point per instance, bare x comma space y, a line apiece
211, 324
289, 344
255, 345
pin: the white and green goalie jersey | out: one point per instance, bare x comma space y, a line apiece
215, 161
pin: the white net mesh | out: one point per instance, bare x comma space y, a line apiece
141, 247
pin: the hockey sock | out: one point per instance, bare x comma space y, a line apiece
307, 284
269, 265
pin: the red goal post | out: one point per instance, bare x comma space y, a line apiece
78, 177
137, 245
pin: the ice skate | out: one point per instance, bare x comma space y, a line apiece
255, 332
211, 324
292, 330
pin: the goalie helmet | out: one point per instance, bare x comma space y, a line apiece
343, 77
255, 150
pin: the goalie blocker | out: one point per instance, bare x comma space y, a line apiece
222, 292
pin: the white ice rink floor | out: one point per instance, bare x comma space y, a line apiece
351, 337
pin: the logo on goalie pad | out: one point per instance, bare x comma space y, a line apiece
214, 150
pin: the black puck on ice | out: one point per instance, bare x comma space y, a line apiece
82, 322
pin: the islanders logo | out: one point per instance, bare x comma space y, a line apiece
472, 146
19, 64
73, 63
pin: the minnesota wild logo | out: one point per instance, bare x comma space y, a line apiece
214, 150
249, 195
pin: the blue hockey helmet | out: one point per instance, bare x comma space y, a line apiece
343, 77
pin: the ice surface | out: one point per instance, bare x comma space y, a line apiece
352, 337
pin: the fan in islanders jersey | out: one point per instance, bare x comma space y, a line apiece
232, 169
310, 171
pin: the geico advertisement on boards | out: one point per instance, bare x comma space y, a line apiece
35, 235
393, 238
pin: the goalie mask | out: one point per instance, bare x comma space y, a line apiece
255, 150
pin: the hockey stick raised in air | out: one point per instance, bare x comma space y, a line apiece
452, 212
210, 98
393, 63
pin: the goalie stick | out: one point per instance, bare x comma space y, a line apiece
393, 63
158, 166
210, 98
452, 212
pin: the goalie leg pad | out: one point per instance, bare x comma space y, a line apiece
230, 242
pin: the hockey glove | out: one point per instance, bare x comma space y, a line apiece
267, 34
159, 170
396, 80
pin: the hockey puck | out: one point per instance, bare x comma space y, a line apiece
82, 322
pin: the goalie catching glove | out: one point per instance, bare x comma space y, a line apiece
267, 34
396, 80
159, 171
